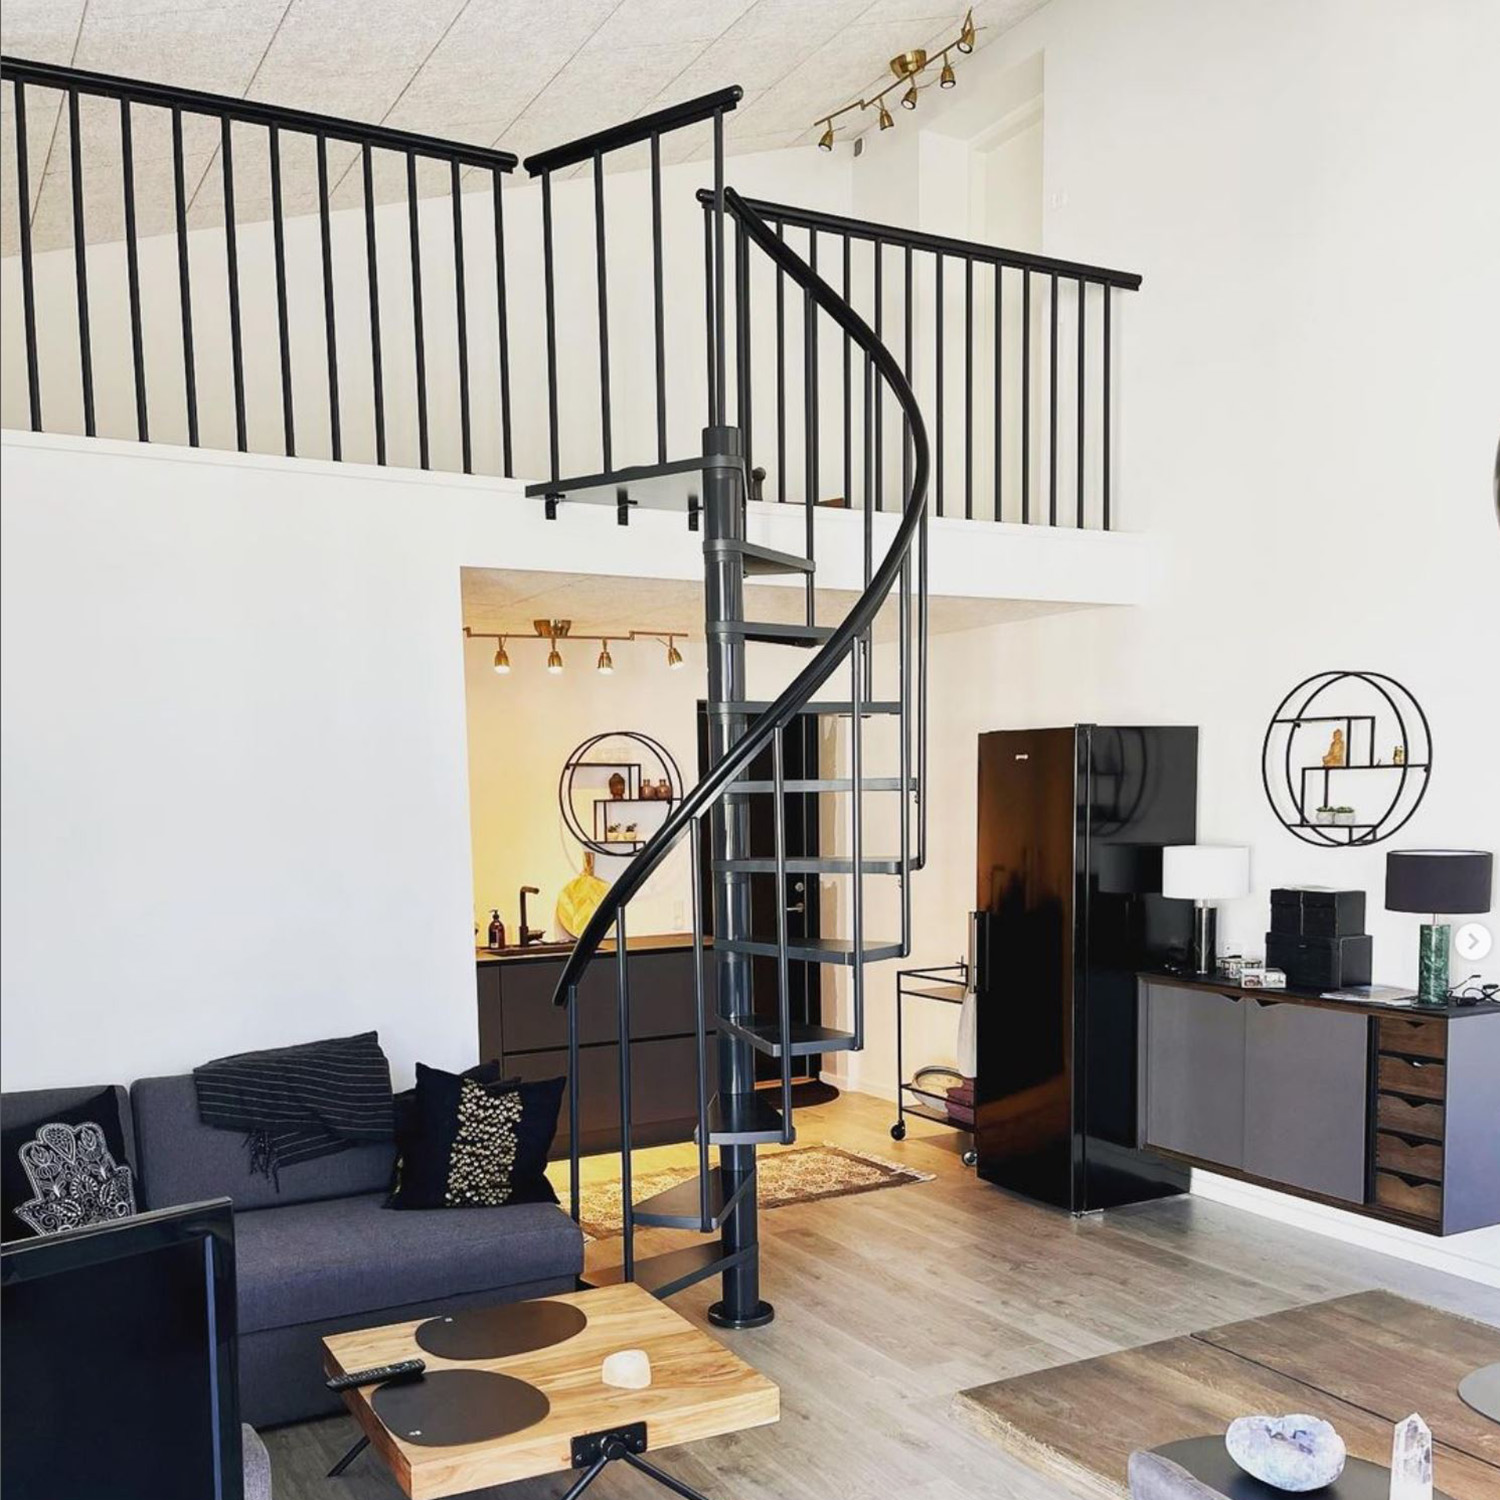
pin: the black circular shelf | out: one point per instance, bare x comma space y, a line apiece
627, 753
1378, 718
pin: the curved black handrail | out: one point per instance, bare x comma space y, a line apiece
834, 650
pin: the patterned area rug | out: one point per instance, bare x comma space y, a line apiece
801, 1175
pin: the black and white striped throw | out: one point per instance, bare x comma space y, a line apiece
299, 1103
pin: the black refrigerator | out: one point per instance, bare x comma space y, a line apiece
1068, 908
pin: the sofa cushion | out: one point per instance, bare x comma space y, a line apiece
306, 1262
183, 1160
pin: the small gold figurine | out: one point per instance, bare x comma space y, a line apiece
1398, 756
1336, 750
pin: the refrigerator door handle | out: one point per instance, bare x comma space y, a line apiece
971, 983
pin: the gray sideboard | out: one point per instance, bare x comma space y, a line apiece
1389, 1113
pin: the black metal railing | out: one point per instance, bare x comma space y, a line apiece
980, 330
365, 151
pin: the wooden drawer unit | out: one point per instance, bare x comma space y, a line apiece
1409, 1117
1401, 1036
1422, 1159
1418, 1200
1414, 1077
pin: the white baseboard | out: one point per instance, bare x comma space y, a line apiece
1475, 1255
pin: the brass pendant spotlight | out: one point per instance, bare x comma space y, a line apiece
556, 631
907, 69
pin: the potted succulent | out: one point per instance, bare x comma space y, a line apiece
1343, 817
1324, 816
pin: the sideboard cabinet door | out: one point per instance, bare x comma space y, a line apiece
1195, 1073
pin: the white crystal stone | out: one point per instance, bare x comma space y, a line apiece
627, 1369
1411, 1460
1295, 1453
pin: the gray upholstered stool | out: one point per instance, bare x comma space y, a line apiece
257, 1465
1153, 1477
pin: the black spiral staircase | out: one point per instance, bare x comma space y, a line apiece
713, 490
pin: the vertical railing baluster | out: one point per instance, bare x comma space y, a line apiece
80, 266
419, 342
372, 279
278, 239
903, 636
999, 391
783, 964
658, 302
877, 249
132, 269
1082, 391
847, 247
1052, 413
810, 419
575, 1113
857, 819
968, 388
28, 280
939, 403
908, 341
622, 990
184, 285
744, 383
601, 273
721, 337
502, 317
1104, 415
709, 340
700, 1011
461, 313
330, 331
1025, 397
232, 273
780, 372
549, 292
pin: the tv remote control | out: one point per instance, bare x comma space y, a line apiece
403, 1370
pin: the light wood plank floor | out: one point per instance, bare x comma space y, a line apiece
889, 1303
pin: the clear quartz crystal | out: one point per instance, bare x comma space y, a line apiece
1411, 1460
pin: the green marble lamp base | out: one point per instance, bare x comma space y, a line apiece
1432, 985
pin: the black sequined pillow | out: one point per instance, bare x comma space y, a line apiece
467, 1143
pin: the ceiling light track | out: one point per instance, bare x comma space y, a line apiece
556, 631
908, 69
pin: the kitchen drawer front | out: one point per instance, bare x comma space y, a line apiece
1414, 1038
1408, 1118
1412, 1076
1414, 1158
1421, 1200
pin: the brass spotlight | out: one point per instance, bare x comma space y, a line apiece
947, 78
674, 656
502, 661
885, 117
554, 661
908, 64
909, 98
825, 141
966, 36
606, 662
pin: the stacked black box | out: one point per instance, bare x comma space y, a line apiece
1317, 938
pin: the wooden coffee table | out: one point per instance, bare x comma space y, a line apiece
698, 1389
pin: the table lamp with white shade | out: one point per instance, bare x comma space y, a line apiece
1202, 874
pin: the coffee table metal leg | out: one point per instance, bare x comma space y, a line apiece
595, 1470
675, 1485
349, 1458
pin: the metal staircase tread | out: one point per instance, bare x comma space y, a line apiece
753, 707
807, 1038
662, 1275
744, 1120
772, 633
675, 485
812, 864
680, 1206
822, 784
760, 559
819, 950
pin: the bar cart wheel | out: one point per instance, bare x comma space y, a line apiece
971, 1157
898, 1131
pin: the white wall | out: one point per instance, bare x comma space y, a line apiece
1312, 401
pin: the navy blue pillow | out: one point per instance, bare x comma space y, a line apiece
470, 1143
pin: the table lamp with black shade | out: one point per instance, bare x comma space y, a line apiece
1438, 883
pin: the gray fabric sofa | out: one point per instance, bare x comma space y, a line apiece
322, 1255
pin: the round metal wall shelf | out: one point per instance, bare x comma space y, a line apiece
609, 791
1387, 759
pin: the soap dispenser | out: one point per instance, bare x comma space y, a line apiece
497, 930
